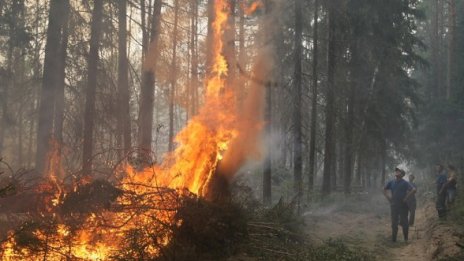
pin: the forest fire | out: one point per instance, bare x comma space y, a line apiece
136, 218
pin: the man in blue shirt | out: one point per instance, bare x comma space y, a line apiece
400, 191
441, 180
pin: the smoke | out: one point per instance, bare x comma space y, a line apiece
250, 124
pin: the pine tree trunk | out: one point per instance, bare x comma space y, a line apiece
6, 88
209, 37
383, 160
229, 45
312, 144
60, 97
240, 88
147, 90
296, 109
172, 90
124, 122
267, 168
193, 95
349, 126
451, 40
330, 110
49, 83
89, 120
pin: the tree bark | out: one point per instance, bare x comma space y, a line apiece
49, 83
330, 110
172, 90
229, 45
383, 160
435, 63
349, 126
124, 121
61, 75
209, 37
147, 90
193, 95
97, 15
240, 88
451, 43
296, 109
267, 167
312, 141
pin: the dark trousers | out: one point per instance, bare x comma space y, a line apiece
412, 212
399, 216
441, 205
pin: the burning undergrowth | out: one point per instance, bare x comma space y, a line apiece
102, 221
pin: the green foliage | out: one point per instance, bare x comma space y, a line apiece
334, 249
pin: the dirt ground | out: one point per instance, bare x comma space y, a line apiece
365, 222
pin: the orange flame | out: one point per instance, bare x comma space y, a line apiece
249, 10
206, 137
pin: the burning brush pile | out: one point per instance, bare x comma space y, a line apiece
127, 221
152, 212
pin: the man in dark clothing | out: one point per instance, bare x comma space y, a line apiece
411, 202
442, 178
400, 190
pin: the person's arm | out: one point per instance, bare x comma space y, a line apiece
385, 193
410, 193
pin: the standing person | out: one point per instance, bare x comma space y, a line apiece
411, 202
441, 180
450, 186
400, 191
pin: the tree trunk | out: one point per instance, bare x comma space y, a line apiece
435, 53
34, 94
451, 40
267, 171
349, 126
124, 122
60, 97
147, 90
172, 90
229, 45
267, 168
330, 110
296, 109
383, 160
6, 88
97, 15
193, 95
49, 83
209, 37
240, 88
359, 163
312, 144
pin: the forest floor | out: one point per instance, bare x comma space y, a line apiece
363, 221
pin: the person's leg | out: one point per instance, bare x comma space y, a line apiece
412, 213
404, 221
395, 221
451, 196
441, 207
